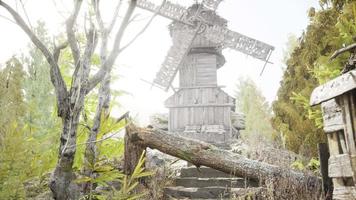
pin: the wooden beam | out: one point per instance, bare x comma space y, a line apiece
334, 88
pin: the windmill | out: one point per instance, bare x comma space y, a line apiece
200, 108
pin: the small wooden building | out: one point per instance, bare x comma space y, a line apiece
338, 102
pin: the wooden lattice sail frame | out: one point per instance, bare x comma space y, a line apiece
199, 21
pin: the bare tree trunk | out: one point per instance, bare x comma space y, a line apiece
91, 150
203, 154
61, 179
133, 152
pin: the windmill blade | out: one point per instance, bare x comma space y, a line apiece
176, 54
239, 42
211, 4
166, 9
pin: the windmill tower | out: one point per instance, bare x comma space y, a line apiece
200, 109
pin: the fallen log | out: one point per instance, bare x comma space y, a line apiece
281, 180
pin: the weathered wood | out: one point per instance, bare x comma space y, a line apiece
133, 151
349, 131
335, 150
344, 193
332, 116
334, 88
340, 166
200, 107
323, 157
203, 154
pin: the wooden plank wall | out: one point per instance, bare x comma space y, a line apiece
198, 106
198, 70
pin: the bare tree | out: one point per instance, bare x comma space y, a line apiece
70, 101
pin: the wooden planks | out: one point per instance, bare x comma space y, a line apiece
349, 129
340, 166
198, 70
336, 87
344, 193
332, 116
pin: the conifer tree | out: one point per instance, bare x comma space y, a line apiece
251, 102
308, 66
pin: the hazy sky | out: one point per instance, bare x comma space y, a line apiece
269, 21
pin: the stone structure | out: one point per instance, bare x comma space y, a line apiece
200, 109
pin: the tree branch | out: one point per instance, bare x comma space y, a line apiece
70, 32
99, 19
8, 19
57, 50
114, 17
56, 76
109, 62
342, 50
143, 29
25, 12
124, 116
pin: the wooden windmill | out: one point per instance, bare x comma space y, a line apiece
200, 109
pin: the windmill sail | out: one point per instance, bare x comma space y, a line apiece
176, 54
211, 4
167, 9
199, 19
239, 42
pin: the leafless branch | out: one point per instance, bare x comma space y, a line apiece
342, 50
107, 65
92, 40
134, 18
56, 6
106, 138
70, 32
143, 29
99, 19
8, 19
91, 43
56, 76
25, 12
114, 17
57, 50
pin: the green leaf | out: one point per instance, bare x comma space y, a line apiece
83, 179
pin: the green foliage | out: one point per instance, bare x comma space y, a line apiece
313, 165
250, 101
128, 184
29, 128
308, 66
39, 92
298, 165
311, 113
14, 162
11, 94
109, 148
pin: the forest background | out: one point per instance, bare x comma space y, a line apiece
29, 124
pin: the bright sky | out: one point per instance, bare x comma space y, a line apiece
269, 21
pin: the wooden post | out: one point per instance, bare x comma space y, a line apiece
133, 151
327, 182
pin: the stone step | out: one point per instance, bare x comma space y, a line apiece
171, 193
202, 172
210, 182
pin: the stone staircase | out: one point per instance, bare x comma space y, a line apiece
208, 183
